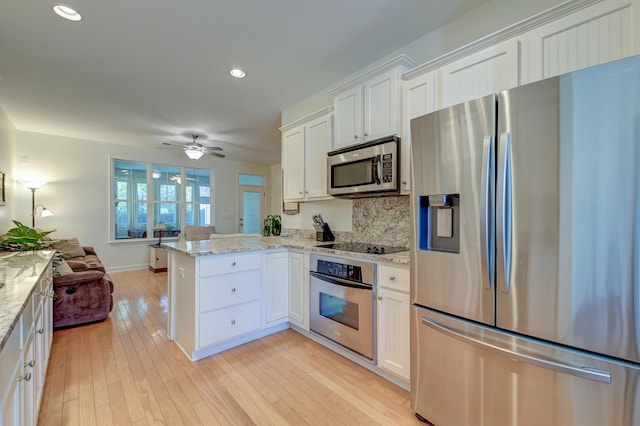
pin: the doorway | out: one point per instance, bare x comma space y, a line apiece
251, 196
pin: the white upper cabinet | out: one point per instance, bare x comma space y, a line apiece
368, 107
304, 157
348, 114
293, 164
488, 71
381, 107
418, 98
600, 33
317, 139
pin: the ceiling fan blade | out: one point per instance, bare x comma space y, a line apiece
214, 148
215, 154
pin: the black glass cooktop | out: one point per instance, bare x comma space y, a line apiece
363, 248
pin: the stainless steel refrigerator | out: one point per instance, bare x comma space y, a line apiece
525, 272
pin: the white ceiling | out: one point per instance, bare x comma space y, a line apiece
146, 72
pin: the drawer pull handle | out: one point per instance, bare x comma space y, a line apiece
26, 377
392, 278
31, 364
40, 331
233, 290
233, 322
233, 263
379, 297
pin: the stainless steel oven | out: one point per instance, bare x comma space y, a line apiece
342, 296
369, 169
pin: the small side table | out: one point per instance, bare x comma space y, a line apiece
157, 258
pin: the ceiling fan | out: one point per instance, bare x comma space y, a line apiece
195, 150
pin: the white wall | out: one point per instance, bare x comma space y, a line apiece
7, 149
77, 172
275, 186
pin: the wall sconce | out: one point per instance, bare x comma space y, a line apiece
33, 185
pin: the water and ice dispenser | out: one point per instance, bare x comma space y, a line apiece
439, 222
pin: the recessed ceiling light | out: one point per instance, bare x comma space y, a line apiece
237, 73
66, 12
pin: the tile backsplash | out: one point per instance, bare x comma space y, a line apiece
377, 220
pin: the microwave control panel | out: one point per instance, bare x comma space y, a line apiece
387, 168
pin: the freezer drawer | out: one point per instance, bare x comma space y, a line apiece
465, 374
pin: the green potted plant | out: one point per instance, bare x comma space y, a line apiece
24, 238
272, 225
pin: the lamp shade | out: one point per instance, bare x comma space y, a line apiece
194, 154
46, 212
34, 184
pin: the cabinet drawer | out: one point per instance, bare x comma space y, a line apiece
393, 277
228, 290
216, 265
223, 324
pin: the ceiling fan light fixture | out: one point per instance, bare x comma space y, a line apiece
66, 12
237, 73
193, 153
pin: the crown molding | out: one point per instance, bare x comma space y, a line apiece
402, 61
511, 31
306, 119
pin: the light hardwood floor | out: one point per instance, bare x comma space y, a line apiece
125, 371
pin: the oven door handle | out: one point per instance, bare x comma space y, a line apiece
340, 281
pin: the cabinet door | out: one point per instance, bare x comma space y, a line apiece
298, 291
293, 164
12, 411
348, 114
597, 34
317, 143
489, 71
277, 287
11, 379
381, 106
393, 331
29, 383
418, 97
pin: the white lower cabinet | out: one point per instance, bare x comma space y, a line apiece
11, 379
25, 356
228, 297
220, 301
393, 320
276, 296
298, 290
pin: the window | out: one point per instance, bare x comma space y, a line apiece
130, 199
148, 195
198, 197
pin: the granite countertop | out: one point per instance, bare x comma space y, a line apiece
19, 274
244, 244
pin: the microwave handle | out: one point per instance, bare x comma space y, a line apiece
376, 168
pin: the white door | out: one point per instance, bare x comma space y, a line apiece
251, 209
251, 196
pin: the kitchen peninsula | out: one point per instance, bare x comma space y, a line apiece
226, 292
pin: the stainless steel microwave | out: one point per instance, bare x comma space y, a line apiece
369, 169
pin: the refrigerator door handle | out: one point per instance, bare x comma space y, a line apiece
487, 210
584, 372
504, 227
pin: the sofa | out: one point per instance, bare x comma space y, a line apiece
83, 289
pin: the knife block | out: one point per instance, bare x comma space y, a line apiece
325, 234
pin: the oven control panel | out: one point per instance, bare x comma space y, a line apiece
340, 270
